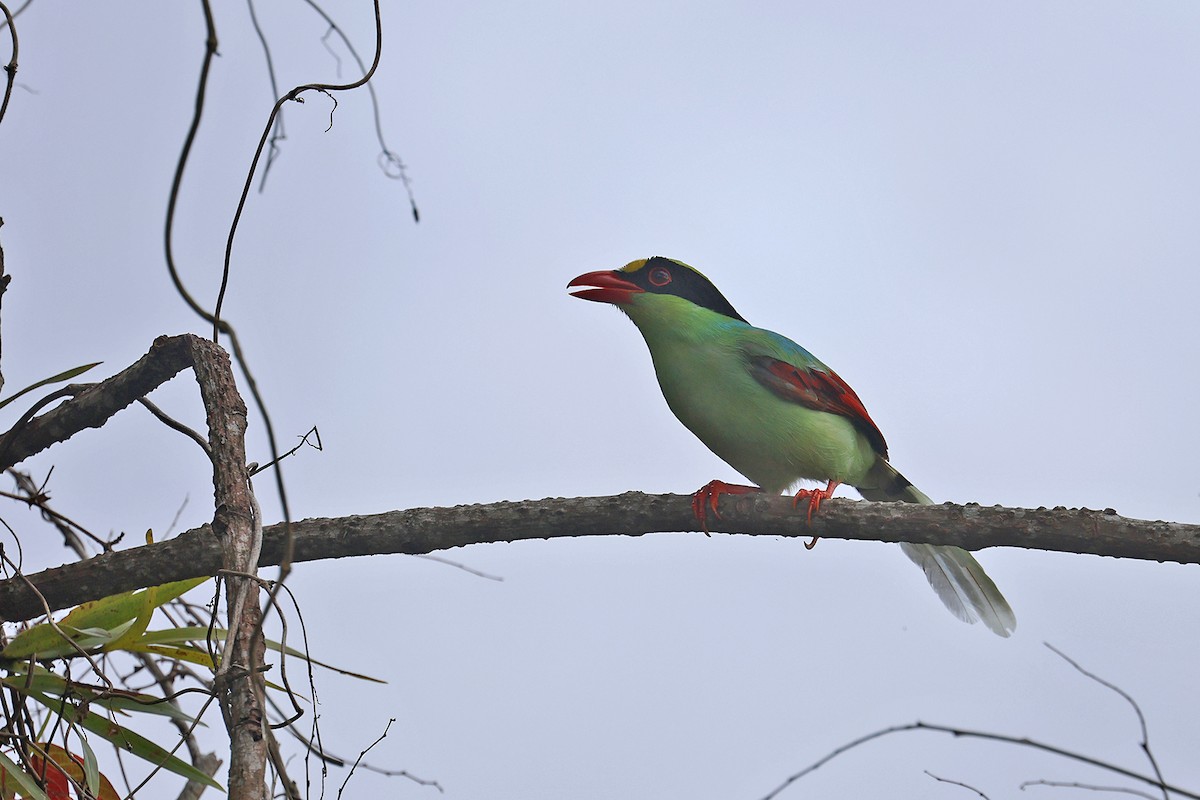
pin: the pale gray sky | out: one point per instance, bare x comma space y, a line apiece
983, 216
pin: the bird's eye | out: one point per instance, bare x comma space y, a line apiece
660, 276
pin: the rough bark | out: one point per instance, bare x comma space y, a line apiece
426, 530
238, 682
94, 404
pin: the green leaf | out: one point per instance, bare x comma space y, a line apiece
22, 778
108, 612
193, 655
278, 648
45, 642
118, 700
88, 638
137, 625
133, 742
62, 376
91, 767
185, 633
200, 633
95, 623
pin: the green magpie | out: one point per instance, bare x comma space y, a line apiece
774, 412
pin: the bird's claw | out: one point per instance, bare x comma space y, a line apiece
708, 497
814, 498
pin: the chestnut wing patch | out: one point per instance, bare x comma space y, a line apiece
819, 390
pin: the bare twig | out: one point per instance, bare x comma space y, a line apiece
178, 513
4, 281
389, 161
303, 441
327, 757
20, 10
167, 686
368, 749
258, 151
971, 734
469, 570
1089, 787
290, 790
176, 425
297, 711
289, 720
1145, 743
278, 133
210, 51
10, 438
195, 721
33, 495
10, 69
956, 783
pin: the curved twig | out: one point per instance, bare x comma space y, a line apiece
262, 143
1091, 787
210, 51
35, 498
966, 786
176, 425
10, 69
15, 432
389, 161
970, 734
20, 10
303, 441
279, 132
1145, 743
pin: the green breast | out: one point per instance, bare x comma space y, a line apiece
700, 358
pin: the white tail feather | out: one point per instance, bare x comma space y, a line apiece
963, 586
953, 572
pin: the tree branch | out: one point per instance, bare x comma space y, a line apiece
236, 522
238, 681
4, 281
10, 69
425, 530
994, 737
95, 404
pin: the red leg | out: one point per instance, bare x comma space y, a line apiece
709, 495
814, 498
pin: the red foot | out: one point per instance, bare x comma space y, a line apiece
709, 495
814, 498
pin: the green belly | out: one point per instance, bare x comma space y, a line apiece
771, 441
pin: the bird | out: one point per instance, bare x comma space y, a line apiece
775, 413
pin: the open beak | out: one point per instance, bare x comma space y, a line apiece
611, 287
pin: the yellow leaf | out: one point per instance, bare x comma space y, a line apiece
97, 622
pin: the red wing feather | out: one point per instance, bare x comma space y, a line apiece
818, 390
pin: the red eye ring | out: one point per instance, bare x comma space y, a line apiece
659, 276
